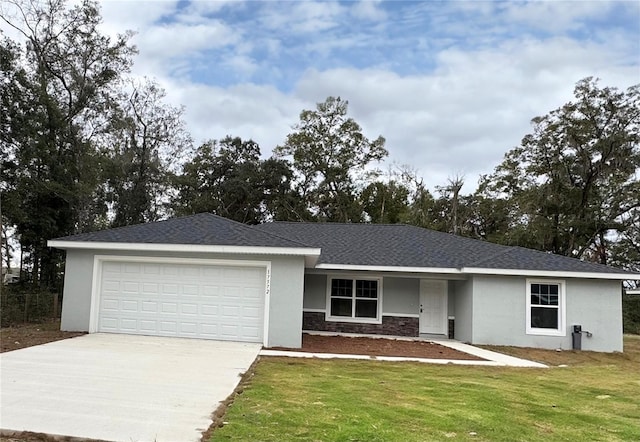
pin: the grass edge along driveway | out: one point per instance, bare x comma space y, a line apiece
596, 398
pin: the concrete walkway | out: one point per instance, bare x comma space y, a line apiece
493, 358
120, 387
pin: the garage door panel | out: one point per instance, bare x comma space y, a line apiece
110, 304
168, 326
202, 301
150, 306
150, 288
169, 289
189, 309
132, 268
152, 269
169, 307
209, 310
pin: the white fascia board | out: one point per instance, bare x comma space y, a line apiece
479, 271
199, 248
388, 268
548, 273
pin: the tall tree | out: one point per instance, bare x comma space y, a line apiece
69, 71
224, 178
573, 181
385, 202
451, 205
146, 141
332, 160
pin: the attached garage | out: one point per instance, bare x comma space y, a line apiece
197, 299
200, 276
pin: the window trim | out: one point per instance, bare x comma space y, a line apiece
354, 277
562, 310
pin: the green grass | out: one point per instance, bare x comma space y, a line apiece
596, 398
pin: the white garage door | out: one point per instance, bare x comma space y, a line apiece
185, 300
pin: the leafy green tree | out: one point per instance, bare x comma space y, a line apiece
281, 201
65, 74
385, 203
571, 183
222, 178
145, 142
332, 160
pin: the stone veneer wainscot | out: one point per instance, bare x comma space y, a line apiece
391, 325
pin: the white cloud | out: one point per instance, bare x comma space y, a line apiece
452, 86
368, 10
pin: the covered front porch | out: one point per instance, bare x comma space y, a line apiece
396, 304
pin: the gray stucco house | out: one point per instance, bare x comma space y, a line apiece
208, 277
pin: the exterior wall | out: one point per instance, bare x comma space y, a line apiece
499, 313
76, 297
463, 309
285, 308
315, 292
400, 306
401, 296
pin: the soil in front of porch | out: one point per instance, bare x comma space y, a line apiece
312, 343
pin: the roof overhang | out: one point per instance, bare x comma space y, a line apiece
478, 271
549, 273
311, 255
351, 267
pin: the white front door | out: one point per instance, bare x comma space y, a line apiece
433, 307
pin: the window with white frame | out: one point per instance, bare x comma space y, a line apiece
545, 307
354, 299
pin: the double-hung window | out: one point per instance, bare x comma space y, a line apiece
545, 307
354, 299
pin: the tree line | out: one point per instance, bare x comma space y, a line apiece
85, 146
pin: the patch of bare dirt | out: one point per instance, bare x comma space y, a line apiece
379, 347
28, 335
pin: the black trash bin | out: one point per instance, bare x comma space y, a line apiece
577, 337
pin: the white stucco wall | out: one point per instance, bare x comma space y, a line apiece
463, 309
315, 292
285, 309
499, 313
401, 296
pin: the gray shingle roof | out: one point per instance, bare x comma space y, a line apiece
401, 245
380, 245
201, 229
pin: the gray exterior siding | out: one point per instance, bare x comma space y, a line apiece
401, 296
463, 294
76, 298
499, 313
285, 309
315, 292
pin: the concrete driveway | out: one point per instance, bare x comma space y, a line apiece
120, 387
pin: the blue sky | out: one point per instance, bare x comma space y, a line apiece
452, 85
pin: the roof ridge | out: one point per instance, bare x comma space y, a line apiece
334, 223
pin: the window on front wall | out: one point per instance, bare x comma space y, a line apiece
354, 298
545, 307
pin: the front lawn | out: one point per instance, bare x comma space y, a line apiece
595, 398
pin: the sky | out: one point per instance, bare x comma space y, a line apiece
452, 85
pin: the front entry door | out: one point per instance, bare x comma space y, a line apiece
433, 307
